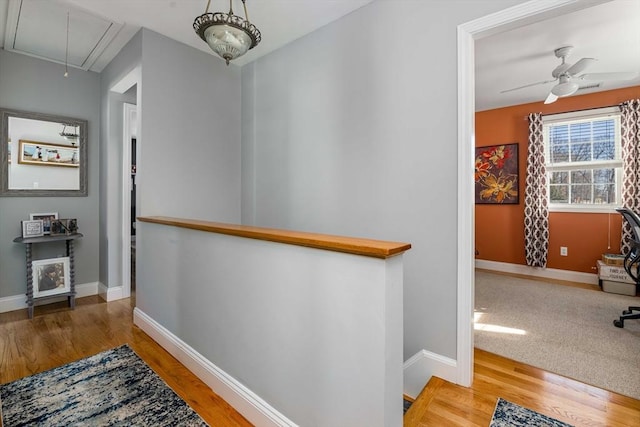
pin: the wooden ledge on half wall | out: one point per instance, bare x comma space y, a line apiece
352, 245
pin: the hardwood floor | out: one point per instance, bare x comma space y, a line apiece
57, 335
445, 404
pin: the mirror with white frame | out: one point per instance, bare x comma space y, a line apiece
42, 155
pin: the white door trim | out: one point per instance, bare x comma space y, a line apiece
516, 16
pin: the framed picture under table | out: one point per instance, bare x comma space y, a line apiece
52, 277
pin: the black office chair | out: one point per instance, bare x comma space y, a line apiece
631, 260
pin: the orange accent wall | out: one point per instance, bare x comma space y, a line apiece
499, 228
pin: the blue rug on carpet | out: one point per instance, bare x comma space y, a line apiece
114, 387
509, 414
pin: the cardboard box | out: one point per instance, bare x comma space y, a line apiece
613, 259
618, 287
614, 273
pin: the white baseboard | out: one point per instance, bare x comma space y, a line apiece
19, 302
422, 366
246, 402
110, 293
547, 273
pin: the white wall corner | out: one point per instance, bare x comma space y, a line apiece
423, 365
547, 273
110, 293
250, 405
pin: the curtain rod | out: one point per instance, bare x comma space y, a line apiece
576, 111
584, 109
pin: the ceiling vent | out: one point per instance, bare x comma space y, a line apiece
590, 86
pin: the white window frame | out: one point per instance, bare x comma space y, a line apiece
578, 117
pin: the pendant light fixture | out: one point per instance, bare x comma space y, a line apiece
71, 136
228, 35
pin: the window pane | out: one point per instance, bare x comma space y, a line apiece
581, 176
604, 176
559, 134
604, 193
559, 193
559, 153
580, 132
604, 150
581, 152
581, 193
559, 177
604, 139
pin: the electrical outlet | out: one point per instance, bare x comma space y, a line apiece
564, 251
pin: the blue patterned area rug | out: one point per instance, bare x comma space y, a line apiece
509, 414
112, 388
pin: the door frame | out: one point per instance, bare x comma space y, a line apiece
510, 18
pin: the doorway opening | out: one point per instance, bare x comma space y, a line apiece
130, 195
516, 16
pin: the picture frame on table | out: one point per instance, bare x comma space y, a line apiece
50, 276
32, 228
46, 218
64, 226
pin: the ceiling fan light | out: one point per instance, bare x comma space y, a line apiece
564, 89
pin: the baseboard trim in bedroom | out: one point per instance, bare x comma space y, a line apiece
538, 272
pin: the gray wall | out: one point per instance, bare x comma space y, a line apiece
360, 139
189, 162
189, 139
31, 84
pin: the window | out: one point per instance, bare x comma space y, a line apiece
583, 160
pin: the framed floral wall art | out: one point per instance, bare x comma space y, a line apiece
496, 174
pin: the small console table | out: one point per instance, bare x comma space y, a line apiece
28, 241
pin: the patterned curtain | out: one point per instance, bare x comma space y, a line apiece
536, 212
630, 129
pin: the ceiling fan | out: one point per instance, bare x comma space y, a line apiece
567, 76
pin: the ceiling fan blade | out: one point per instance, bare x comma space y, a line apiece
580, 66
610, 76
529, 85
551, 99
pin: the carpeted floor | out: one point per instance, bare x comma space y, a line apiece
561, 329
112, 388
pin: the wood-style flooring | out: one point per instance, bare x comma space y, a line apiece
445, 404
58, 335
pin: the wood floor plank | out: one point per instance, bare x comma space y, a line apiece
57, 335
445, 404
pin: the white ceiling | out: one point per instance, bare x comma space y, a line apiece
279, 21
608, 32
98, 29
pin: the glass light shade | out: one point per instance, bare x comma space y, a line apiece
565, 88
227, 41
